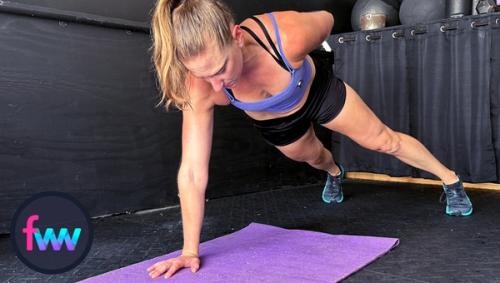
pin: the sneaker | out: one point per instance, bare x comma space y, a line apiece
457, 201
333, 187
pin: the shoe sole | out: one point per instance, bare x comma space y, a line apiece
461, 214
329, 201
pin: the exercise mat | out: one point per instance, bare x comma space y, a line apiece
262, 253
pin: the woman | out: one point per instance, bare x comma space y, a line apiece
263, 66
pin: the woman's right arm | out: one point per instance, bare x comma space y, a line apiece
192, 179
197, 128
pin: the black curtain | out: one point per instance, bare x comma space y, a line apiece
436, 82
495, 88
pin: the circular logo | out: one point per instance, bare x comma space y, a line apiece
51, 232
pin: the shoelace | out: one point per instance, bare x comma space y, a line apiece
454, 197
442, 198
334, 182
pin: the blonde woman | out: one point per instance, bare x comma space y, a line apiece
264, 67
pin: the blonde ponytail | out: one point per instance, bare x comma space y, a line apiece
170, 71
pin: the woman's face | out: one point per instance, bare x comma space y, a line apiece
220, 68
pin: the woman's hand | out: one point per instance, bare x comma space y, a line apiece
171, 266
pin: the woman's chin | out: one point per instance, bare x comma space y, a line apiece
231, 84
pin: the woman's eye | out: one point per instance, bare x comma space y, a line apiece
222, 70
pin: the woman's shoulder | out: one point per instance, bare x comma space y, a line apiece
283, 18
300, 32
203, 95
288, 31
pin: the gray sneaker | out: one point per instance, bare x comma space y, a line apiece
457, 201
333, 187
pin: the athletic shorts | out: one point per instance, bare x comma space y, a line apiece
325, 101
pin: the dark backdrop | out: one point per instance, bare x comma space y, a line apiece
136, 11
136, 14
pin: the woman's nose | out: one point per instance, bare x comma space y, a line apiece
216, 84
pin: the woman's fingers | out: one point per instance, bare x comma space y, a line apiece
171, 266
159, 268
195, 264
158, 264
152, 267
173, 269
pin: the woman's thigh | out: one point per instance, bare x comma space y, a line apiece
305, 148
358, 122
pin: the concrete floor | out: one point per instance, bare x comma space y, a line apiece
433, 248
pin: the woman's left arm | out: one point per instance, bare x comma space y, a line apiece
303, 32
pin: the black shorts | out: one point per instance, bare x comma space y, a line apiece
325, 101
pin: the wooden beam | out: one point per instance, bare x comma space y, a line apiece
386, 178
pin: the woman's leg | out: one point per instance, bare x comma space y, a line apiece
309, 149
358, 122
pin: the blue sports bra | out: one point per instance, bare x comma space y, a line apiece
293, 93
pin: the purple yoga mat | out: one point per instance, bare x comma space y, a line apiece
262, 253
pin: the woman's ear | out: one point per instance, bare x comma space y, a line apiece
237, 34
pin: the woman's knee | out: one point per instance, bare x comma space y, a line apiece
386, 141
320, 156
392, 144
295, 155
307, 150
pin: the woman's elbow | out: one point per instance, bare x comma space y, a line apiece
330, 19
192, 178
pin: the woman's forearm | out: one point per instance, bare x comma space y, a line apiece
192, 199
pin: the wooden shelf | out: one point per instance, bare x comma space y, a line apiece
386, 178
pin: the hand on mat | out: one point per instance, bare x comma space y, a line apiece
172, 265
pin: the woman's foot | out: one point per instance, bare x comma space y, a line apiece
457, 201
333, 187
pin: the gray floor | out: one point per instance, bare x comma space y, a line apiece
434, 247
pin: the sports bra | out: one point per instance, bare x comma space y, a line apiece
293, 93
